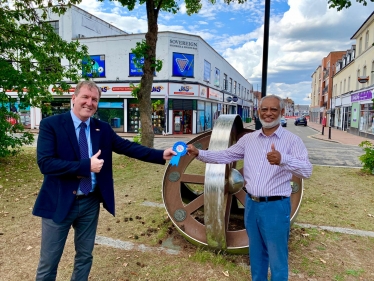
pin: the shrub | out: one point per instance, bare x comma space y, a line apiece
138, 137
368, 158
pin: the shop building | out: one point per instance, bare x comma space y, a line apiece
75, 23
315, 96
354, 84
194, 86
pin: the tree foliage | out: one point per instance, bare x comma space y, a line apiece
344, 4
147, 49
32, 59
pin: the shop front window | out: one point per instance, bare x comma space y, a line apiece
112, 112
158, 116
200, 117
208, 116
367, 118
13, 105
215, 112
133, 124
56, 106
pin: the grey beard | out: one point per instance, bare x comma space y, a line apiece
270, 125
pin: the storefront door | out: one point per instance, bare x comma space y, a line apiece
182, 121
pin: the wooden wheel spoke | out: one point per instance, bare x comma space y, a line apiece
195, 204
188, 178
228, 208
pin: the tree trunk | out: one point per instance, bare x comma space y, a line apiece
144, 95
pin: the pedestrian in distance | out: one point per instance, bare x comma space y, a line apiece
74, 153
272, 155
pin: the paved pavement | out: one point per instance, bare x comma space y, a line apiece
338, 136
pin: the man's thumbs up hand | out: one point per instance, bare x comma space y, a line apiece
272, 147
96, 163
274, 157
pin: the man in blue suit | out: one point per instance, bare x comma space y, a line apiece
74, 154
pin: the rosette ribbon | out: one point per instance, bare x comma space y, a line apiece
181, 149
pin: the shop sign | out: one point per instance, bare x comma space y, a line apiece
184, 90
215, 95
126, 89
97, 63
122, 89
104, 89
203, 92
71, 90
183, 44
136, 66
183, 65
157, 89
365, 95
12, 91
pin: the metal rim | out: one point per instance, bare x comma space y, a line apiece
213, 229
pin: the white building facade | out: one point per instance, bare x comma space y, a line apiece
194, 86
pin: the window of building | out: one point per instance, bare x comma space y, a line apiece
235, 87
225, 81
360, 46
344, 86
367, 118
349, 84
357, 83
207, 70
217, 77
55, 25
371, 81
53, 67
340, 92
364, 74
230, 85
367, 40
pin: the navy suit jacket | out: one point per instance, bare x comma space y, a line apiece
59, 161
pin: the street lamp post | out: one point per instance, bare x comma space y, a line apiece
330, 118
265, 54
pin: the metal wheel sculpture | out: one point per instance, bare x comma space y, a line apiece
208, 208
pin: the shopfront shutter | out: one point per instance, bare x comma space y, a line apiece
179, 104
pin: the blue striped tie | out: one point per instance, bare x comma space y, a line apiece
85, 183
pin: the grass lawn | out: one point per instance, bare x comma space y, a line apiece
340, 197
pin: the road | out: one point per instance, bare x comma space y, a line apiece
324, 152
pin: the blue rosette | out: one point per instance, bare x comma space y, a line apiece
181, 149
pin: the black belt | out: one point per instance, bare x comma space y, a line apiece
265, 198
82, 196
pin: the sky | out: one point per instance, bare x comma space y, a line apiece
302, 33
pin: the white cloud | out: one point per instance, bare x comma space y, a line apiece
299, 40
299, 37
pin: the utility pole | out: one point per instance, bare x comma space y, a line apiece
265, 53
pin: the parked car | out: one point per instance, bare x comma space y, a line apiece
301, 121
283, 122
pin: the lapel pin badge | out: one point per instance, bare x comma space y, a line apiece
97, 129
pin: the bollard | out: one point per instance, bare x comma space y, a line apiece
323, 130
329, 132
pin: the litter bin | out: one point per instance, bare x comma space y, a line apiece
115, 122
250, 120
247, 120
